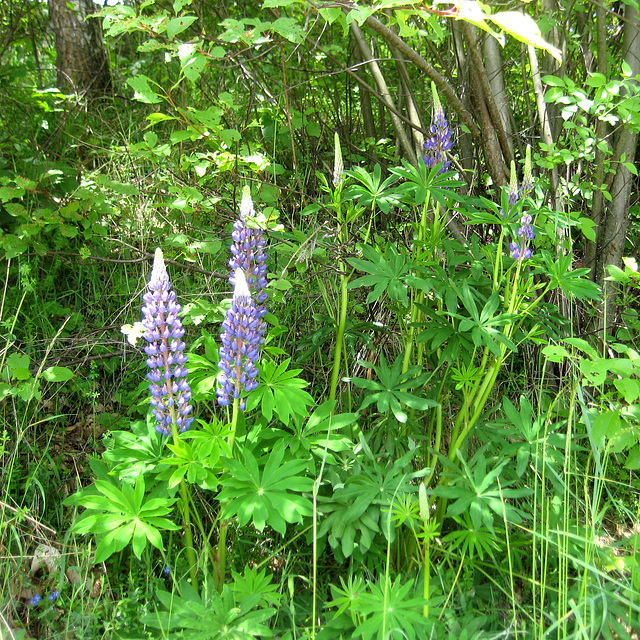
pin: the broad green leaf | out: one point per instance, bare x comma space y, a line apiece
524, 28
178, 25
57, 374
142, 91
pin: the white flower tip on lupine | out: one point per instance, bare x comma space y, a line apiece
246, 204
159, 276
241, 289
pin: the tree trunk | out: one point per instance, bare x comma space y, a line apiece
365, 51
613, 230
495, 77
82, 60
602, 135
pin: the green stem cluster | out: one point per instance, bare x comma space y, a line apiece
221, 565
185, 508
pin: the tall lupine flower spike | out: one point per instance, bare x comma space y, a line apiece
439, 142
243, 327
243, 333
338, 165
170, 392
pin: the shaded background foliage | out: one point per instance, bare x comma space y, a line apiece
105, 157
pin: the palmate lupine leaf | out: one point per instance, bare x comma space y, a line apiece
573, 282
122, 515
209, 615
396, 611
280, 392
266, 491
390, 391
480, 492
386, 273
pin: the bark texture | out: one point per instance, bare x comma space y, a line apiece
613, 229
82, 60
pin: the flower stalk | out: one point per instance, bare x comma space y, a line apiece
170, 391
242, 334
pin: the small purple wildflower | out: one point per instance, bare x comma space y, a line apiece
520, 250
439, 142
54, 595
35, 600
166, 570
243, 327
170, 392
525, 232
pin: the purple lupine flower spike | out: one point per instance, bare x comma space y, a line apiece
520, 250
243, 327
243, 333
170, 391
439, 142
248, 250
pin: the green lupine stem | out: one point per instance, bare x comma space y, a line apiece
342, 323
234, 424
345, 276
476, 401
224, 525
186, 510
427, 575
416, 314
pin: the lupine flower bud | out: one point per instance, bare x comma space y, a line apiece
170, 392
338, 166
439, 142
513, 186
527, 178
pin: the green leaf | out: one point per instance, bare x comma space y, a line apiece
142, 91
178, 25
116, 540
524, 28
387, 273
390, 391
280, 392
555, 353
633, 459
267, 496
57, 374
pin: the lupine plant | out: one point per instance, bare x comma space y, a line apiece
243, 329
